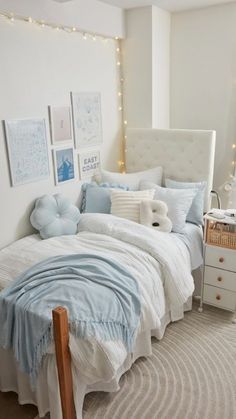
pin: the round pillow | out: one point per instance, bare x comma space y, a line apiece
55, 215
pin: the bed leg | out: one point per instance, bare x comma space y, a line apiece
63, 358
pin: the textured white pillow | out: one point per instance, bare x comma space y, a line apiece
126, 204
178, 202
131, 179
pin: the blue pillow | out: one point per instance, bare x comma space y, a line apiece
96, 198
195, 214
55, 215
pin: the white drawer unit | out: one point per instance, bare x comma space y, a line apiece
220, 278
219, 281
220, 258
219, 297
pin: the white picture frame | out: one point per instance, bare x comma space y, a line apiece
27, 150
87, 118
60, 124
64, 165
89, 164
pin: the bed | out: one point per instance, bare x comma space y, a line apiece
97, 365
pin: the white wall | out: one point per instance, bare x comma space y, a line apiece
203, 77
137, 64
89, 15
146, 51
39, 67
161, 31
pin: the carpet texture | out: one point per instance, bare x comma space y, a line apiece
191, 375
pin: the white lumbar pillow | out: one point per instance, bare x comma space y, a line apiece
131, 179
178, 202
153, 213
126, 204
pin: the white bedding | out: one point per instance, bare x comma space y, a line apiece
161, 264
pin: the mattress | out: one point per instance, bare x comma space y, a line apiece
96, 365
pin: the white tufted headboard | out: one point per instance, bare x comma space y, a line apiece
185, 155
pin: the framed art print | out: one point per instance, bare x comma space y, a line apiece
89, 164
27, 150
60, 123
87, 120
64, 164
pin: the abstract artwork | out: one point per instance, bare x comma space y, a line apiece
87, 121
64, 165
27, 150
60, 121
89, 164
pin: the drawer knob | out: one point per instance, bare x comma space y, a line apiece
221, 259
219, 278
218, 297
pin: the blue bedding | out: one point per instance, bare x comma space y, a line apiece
101, 296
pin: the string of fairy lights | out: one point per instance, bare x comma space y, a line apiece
86, 36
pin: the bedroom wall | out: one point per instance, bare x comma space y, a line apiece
203, 78
39, 67
146, 61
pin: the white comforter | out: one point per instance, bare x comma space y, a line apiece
160, 263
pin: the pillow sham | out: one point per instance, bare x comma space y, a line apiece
195, 214
131, 179
126, 204
54, 215
97, 198
178, 202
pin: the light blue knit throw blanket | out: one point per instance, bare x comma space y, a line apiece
101, 296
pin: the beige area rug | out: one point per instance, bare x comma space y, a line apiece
191, 375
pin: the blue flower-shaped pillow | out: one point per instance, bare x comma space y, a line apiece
55, 215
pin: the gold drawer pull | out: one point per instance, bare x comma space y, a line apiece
221, 259
218, 297
219, 279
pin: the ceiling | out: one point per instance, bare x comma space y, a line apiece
171, 5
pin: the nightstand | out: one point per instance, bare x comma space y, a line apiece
219, 279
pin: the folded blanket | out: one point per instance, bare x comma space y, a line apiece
101, 296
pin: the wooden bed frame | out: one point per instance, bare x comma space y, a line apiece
63, 360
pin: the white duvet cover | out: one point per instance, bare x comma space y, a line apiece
160, 263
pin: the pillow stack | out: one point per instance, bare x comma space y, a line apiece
195, 213
126, 204
132, 180
178, 202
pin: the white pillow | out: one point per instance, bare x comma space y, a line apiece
178, 202
131, 179
126, 204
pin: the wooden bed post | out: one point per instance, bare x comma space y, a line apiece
63, 358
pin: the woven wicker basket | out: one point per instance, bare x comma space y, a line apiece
219, 234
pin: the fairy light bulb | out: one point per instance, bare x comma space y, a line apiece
30, 20
118, 49
118, 63
119, 94
84, 36
73, 29
42, 24
234, 146
120, 108
94, 38
125, 122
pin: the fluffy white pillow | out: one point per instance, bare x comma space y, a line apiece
131, 179
126, 204
178, 202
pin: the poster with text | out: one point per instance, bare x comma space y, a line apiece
89, 164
